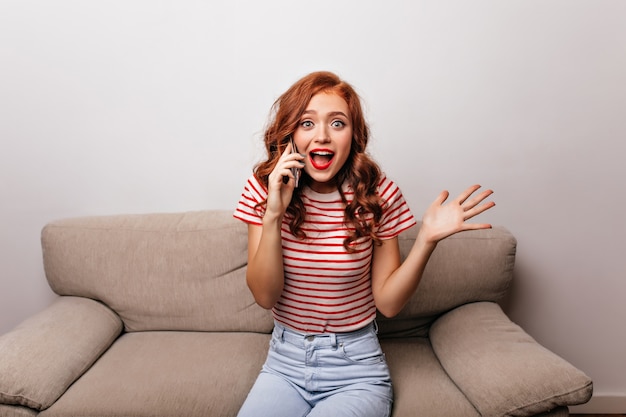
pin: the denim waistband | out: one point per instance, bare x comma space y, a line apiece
321, 339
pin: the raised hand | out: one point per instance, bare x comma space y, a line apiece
443, 219
279, 190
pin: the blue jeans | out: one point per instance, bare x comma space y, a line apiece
331, 374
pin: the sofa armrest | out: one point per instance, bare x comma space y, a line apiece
46, 353
500, 368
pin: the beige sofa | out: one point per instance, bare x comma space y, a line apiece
154, 318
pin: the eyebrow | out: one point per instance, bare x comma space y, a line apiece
331, 114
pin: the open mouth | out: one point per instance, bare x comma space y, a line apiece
321, 158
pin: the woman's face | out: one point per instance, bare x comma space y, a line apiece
324, 136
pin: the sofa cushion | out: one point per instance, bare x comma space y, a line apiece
43, 355
169, 374
500, 368
175, 271
421, 386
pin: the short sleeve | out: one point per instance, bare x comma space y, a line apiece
397, 216
249, 208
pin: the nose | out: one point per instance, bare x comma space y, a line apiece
322, 134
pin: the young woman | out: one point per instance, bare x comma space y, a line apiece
323, 254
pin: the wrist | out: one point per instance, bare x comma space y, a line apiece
272, 219
425, 240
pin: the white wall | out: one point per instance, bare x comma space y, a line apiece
156, 106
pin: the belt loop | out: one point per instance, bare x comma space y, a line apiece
375, 323
280, 332
333, 340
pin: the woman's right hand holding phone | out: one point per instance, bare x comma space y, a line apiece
282, 181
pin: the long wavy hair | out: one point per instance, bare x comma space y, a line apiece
359, 172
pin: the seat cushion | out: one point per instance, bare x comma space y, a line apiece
210, 374
168, 373
421, 386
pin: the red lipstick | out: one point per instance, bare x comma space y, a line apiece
320, 158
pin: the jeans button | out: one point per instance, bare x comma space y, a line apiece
310, 338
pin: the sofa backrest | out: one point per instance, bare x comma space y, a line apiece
186, 271
175, 271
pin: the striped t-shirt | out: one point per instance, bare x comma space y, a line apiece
327, 289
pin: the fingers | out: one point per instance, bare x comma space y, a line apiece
287, 163
476, 226
478, 209
464, 199
468, 203
443, 196
472, 206
466, 194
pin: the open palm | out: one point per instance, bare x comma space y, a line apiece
443, 219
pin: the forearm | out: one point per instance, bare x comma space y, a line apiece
265, 273
396, 290
394, 283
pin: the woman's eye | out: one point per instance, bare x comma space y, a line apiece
337, 123
306, 123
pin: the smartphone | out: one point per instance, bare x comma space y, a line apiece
295, 171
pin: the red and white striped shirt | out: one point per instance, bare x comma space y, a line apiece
327, 289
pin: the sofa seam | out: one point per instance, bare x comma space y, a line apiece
38, 406
553, 397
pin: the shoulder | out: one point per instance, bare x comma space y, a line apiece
397, 215
250, 205
254, 189
388, 190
